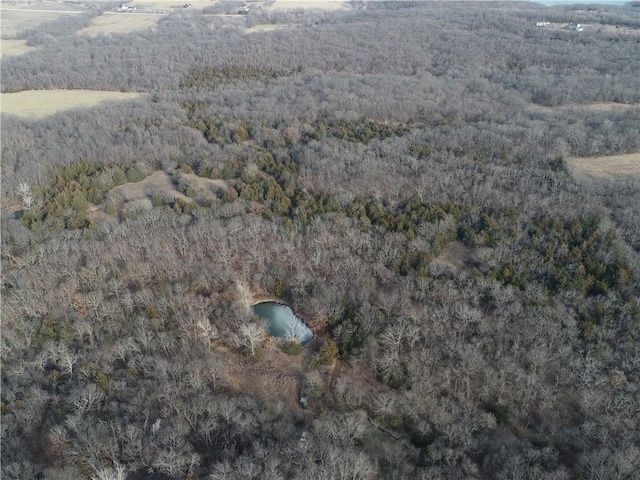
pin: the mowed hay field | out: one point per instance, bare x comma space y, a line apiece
42, 103
10, 48
610, 165
120, 23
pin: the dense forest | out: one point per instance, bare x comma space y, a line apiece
398, 173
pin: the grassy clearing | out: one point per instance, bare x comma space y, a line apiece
276, 377
162, 185
599, 106
17, 18
42, 103
207, 187
159, 189
158, 183
454, 258
610, 165
11, 48
266, 28
120, 23
589, 107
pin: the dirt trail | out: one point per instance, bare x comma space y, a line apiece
333, 374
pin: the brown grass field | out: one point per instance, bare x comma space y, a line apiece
11, 48
607, 166
42, 103
120, 23
207, 187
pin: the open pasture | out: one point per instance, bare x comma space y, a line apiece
120, 23
11, 48
42, 103
20, 17
609, 165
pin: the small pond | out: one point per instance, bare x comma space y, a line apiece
282, 322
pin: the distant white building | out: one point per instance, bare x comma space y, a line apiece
542, 24
575, 27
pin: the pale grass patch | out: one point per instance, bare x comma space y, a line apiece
158, 183
609, 165
207, 187
589, 107
266, 28
162, 184
120, 23
11, 48
454, 258
42, 103
600, 106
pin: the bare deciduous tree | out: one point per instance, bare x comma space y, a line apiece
250, 336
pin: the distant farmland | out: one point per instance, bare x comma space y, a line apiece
17, 18
120, 23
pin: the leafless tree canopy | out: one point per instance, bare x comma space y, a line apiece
398, 173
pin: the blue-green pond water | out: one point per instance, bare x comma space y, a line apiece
282, 322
